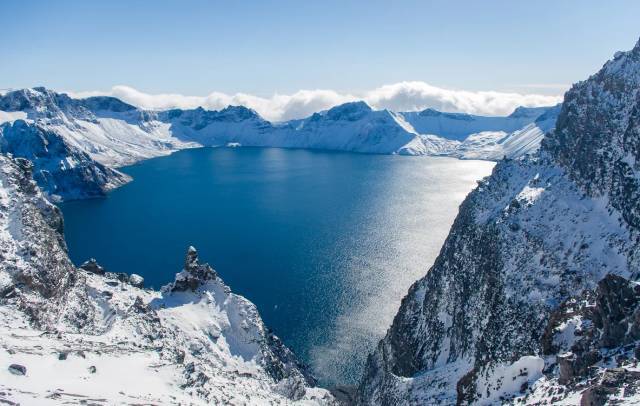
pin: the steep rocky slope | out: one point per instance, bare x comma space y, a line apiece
83, 335
496, 318
61, 170
109, 130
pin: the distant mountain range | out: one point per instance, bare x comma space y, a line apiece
95, 135
534, 298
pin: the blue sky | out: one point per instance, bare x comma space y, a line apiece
264, 47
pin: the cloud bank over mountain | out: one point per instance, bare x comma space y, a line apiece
402, 96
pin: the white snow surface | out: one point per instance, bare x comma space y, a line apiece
216, 329
116, 136
505, 380
96, 339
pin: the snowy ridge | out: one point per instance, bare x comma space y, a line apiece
61, 170
83, 335
496, 319
113, 133
458, 126
109, 130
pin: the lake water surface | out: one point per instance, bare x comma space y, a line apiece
325, 244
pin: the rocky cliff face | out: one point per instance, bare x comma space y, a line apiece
83, 335
61, 170
537, 232
597, 141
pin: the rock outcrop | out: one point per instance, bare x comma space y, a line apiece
536, 233
195, 342
61, 170
592, 346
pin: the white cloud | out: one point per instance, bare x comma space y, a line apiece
410, 96
403, 96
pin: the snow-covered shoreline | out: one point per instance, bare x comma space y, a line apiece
104, 133
81, 335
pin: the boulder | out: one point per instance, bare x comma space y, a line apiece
92, 266
136, 280
194, 273
17, 369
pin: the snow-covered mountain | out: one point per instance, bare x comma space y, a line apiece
458, 126
85, 336
495, 145
534, 297
110, 131
113, 133
61, 170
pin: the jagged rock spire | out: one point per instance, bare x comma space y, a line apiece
194, 273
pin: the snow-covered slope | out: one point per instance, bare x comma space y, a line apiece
114, 134
356, 127
495, 319
495, 145
349, 127
61, 170
109, 130
458, 126
83, 336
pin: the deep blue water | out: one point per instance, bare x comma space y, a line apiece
325, 244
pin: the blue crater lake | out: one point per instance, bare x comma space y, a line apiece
325, 244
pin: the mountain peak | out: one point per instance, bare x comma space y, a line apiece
429, 112
41, 89
525, 112
194, 273
350, 111
241, 112
106, 103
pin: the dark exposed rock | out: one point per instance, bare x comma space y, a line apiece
180, 356
92, 266
46, 274
8, 292
281, 361
119, 276
67, 305
17, 369
595, 396
345, 395
607, 317
598, 130
136, 280
107, 295
525, 244
616, 311
574, 366
292, 388
60, 169
611, 383
194, 274
139, 306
